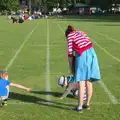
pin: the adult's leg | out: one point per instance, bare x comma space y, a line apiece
89, 91
81, 93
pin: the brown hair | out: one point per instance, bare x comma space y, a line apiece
69, 29
3, 74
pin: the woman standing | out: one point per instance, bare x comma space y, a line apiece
86, 63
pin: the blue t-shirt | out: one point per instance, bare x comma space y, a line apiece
3, 85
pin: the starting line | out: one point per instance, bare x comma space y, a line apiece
58, 103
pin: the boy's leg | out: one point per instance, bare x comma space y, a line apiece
4, 98
4, 102
1, 101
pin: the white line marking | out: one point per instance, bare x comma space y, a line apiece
108, 53
47, 45
48, 85
107, 91
20, 48
113, 39
110, 95
56, 103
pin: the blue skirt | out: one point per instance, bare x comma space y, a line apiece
86, 66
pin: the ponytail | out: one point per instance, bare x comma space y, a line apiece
69, 29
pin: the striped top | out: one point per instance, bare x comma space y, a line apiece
78, 41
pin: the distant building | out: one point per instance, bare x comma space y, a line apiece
81, 9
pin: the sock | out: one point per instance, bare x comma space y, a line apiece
79, 107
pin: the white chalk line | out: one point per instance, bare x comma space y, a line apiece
108, 53
20, 48
114, 33
107, 91
48, 83
99, 33
110, 38
57, 103
47, 45
110, 95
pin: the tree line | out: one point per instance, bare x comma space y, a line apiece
10, 5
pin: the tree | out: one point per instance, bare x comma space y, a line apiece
9, 5
103, 4
87, 1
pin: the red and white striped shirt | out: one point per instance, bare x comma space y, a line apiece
78, 41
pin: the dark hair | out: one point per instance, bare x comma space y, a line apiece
69, 29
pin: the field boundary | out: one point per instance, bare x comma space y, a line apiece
59, 103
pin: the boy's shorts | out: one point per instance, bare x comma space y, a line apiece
2, 98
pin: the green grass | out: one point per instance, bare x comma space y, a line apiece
30, 65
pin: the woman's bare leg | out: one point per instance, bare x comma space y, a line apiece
81, 93
89, 92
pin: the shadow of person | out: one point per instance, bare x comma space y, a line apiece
55, 94
36, 100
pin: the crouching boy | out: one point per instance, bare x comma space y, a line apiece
71, 87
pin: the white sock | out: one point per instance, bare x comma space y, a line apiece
80, 107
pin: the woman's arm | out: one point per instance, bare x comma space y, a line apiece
20, 86
70, 60
70, 51
72, 64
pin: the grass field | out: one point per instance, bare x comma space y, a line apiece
35, 54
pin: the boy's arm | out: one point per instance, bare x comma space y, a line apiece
20, 86
67, 91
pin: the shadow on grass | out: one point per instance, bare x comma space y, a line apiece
55, 94
36, 100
